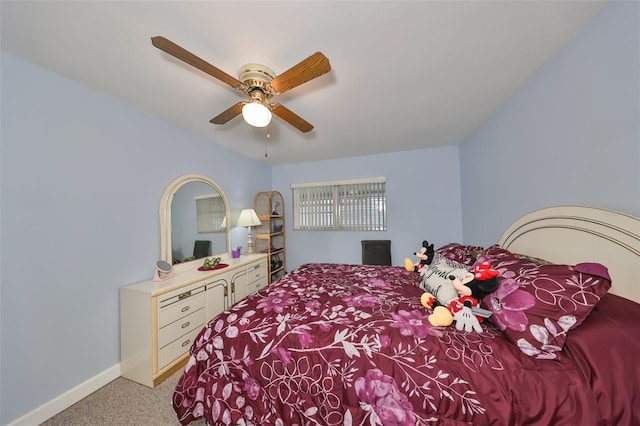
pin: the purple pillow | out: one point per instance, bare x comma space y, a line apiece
537, 305
460, 253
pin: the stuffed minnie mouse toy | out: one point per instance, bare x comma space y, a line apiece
471, 289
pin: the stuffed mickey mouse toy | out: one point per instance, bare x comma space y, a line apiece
425, 256
471, 289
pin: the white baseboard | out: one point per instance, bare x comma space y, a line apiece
67, 399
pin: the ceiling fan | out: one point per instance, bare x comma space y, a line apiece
259, 82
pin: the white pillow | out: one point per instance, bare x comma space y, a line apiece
435, 279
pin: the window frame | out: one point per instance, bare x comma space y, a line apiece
343, 205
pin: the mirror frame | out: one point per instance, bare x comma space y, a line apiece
164, 214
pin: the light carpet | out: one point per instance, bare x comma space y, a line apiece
123, 402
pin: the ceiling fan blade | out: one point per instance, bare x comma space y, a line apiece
292, 118
228, 114
310, 68
174, 50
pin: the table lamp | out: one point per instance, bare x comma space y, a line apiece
249, 218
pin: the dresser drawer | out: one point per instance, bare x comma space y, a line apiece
176, 348
176, 307
256, 271
256, 276
257, 285
178, 328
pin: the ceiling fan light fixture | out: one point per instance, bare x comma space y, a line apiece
256, 114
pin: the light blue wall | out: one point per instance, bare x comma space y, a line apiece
423, 202
570, 136
82, 176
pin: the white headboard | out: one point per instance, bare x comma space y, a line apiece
574, 234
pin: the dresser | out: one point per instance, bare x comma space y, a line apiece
160, 320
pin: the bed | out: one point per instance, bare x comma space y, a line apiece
332, 344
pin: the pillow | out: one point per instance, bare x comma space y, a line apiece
532, 259
460, 253
435, 278
537, 305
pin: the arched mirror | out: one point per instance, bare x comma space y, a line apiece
193, 220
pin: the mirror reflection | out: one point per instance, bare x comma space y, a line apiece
197, 215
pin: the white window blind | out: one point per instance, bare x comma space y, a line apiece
353, 205
210, 213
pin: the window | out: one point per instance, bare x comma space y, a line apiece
210, 213
353, 205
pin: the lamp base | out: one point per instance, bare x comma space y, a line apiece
250, 243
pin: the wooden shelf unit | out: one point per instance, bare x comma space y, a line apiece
270, 236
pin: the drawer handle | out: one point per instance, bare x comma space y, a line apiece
186, 342
186, 324
185, 309
184, 295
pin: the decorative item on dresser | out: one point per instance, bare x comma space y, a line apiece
163, 271
269, 206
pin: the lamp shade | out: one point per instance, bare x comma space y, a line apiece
256, 114
248, 217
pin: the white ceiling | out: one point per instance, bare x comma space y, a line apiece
405, 74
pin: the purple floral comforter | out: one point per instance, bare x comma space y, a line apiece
350, 345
